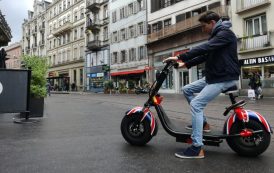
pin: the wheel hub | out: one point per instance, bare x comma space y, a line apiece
136, 129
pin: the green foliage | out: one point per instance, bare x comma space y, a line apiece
39, 67
108, 84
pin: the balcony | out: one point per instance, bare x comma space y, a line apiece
42, 29
246, 5
27, 35
94, 26
42, 43
93, 5
34, 31
27, 48
34, 46
183, 26
106, 21
67, 26
94, 45
255, 43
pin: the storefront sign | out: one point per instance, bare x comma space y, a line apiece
100, 74
259, 60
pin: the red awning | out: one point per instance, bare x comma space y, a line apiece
127, 72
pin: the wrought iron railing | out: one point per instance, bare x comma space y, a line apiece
255, 42
248, 4
185, 25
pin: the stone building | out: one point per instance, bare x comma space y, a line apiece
66, 43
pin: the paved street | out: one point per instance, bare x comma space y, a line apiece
81, 133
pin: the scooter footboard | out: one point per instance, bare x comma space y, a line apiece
248, 114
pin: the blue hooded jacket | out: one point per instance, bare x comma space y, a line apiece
219, 54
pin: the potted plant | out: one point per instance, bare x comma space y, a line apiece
108, 86
38, 66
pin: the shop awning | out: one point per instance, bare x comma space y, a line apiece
127, 72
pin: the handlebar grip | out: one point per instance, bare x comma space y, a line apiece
176, 65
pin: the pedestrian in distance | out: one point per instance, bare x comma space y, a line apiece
221, 72
256, 85
48, 87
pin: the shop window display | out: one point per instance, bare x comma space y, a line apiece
246, 74
268, 76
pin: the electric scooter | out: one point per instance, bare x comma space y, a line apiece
246, 132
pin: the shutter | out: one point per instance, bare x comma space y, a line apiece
135, 7
135, 30
145, 28
144, 5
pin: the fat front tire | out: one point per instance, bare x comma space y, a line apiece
249, 146
134, 131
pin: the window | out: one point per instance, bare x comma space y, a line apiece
75, 53
214, 5
131, 31
141, 28
130, 9
256, 25
75, 34
115, 58
75, 16
140, 4
64, 4
123, 56
105, 12
123, 34
82, 14
81, 76
114, 17
105, 33
122, 13
60, 7
82, 51
141, 52
115, 36
132, 54
155, 27
82, 32
167, 23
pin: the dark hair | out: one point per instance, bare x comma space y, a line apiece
208, 16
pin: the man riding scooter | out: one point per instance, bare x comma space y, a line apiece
221, 72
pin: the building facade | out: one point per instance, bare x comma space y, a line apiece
252, 23
128, 30
14, 53
97, 44
5, 32
173, 28
66, 43
34, 29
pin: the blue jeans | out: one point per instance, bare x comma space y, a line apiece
207, 92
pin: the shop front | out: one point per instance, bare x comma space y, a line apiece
264, 66
129, 78
96, 76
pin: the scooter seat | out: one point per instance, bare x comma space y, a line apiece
233, 89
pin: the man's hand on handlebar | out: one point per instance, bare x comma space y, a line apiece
181, 64
174, 58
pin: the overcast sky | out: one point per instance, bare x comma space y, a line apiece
15, 12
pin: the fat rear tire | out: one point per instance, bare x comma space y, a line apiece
247, 146
135, 132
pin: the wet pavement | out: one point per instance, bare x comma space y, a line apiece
81, 133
